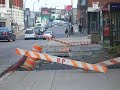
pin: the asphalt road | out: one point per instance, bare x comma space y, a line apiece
59, 31
7, 49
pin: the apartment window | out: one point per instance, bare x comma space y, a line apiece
2, 1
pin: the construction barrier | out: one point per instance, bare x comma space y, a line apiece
79, 43
104, 63
37, 47
31, 62
87, 66
53, 39
69, 44
110, 62
62, 49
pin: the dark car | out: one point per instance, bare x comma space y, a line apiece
7, 34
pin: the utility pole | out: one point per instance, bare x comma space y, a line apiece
11, 1
72, 11
34, 21
24, 1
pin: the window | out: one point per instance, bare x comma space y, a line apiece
83, 2
2, 1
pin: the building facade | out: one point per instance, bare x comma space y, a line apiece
101, 19
29, 18
12, 14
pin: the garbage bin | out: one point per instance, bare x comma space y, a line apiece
95, 37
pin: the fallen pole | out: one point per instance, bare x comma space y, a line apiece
14, 66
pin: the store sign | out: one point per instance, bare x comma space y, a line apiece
68, 7
114, 7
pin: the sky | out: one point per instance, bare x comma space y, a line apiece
59, 4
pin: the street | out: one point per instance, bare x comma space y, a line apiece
7, 49
54, 76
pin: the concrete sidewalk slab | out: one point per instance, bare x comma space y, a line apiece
62, 80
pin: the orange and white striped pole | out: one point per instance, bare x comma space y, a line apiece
87, 66
71, 43
30, 62
53, 39
37, 48
110, 62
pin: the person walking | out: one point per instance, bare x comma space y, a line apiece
80, 28
72, 30
66, 32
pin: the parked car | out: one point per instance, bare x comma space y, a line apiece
49, 24
7, 34
30, 34
48, 34
60, 23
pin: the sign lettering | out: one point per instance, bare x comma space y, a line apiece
59, 60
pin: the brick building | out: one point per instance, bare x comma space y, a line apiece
12, 14
97, 16
81, 10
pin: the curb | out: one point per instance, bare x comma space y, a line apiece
13, 67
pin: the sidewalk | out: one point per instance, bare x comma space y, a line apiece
76, 37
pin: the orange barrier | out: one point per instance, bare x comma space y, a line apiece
80, 43
110, 62
71, 43
37, 47
31, 62
87, 66
53, 39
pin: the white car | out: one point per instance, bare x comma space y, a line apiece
48, 34
30, 34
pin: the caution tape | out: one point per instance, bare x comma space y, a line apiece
69, 44
110, 62
63, 49
87, 66
53, 39
79, 43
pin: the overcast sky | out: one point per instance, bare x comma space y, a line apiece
49, 3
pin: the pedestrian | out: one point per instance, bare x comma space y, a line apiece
80, 28
66, 32
72, 30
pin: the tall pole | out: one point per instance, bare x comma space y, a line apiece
33, 12
72, 10
11, 13
24, 1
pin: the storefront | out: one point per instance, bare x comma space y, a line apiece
111, 23
93, 22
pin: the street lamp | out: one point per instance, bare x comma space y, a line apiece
24, 1
25, 19
11, 1
33, 11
